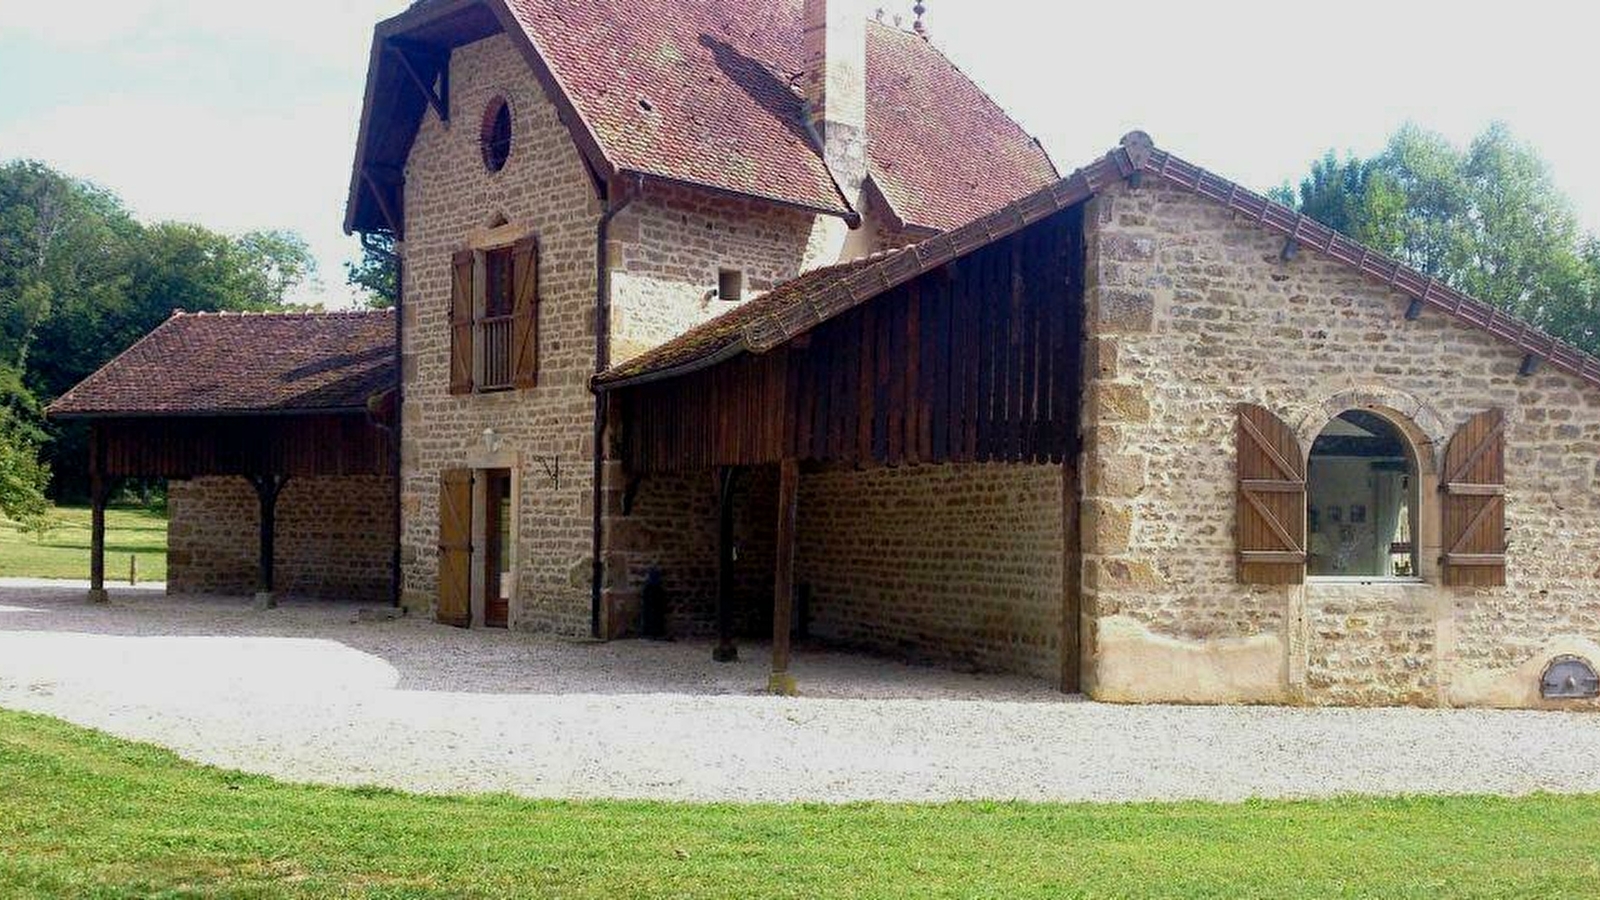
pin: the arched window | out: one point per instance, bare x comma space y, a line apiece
1361, 499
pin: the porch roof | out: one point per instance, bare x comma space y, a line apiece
798, 306
235, 364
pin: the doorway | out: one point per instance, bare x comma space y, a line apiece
497, 533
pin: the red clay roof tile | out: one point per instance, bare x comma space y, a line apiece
705, 92
233, 363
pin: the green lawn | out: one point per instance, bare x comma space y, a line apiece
64, 551
86, 815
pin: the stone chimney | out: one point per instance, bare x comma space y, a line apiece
834, 83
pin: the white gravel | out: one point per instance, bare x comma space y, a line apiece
306, 693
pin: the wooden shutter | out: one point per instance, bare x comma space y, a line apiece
1474, 487
1272, 500
462, 266
525, 313
455, 547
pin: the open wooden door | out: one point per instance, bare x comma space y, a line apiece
455, 547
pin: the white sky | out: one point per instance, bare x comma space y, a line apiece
243, 115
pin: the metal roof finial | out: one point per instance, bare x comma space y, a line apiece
921, 28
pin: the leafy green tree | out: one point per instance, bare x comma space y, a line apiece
81, 279
276, 262
1487, 220
378, 272
23, 478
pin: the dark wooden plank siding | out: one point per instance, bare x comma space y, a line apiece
346, 444
976, 361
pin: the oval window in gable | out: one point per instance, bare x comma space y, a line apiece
496, 134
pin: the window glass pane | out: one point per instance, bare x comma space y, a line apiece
497, 283
1361, 499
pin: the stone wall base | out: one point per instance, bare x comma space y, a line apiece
335, 537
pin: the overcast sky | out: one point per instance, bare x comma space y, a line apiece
243, 115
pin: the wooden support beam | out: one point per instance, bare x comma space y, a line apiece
380, 193
440, 101
267, 489
726, 650
98, 494
781, 681
1414, 310
1530, 366
1291, 248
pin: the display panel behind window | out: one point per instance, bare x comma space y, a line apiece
1361, 498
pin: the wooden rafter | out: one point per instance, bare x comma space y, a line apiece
409, 55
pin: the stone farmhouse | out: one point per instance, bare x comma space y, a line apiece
761, 319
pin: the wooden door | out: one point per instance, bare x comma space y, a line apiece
455, 547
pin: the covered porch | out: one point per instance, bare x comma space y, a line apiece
880, 455
275, 435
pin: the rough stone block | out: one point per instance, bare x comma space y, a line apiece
1121, 310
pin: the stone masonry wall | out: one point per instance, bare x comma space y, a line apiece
673, 528
333, 537
544, 432
668, 246
956, 564
1192, 312
663, 254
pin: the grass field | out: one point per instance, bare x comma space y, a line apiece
64, 551
86, 815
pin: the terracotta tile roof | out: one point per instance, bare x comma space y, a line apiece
706, 92
233, 363
796, 307
693, 90
939, 149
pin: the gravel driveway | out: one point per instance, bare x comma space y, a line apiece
306, 693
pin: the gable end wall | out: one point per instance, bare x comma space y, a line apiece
1192, 312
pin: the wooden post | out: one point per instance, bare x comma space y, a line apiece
267, 489
725, 651
97, 517
781, 681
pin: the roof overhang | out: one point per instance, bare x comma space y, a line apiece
1135, 159
409, 51
206, 413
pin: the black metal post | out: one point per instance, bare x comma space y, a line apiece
267, 490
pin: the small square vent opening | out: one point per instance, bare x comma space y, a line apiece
730, 285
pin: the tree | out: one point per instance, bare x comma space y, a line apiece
1487, 220
276, 262
23, 478
81, 279
378, 272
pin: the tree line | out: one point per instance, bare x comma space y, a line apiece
1487, 220
81, 278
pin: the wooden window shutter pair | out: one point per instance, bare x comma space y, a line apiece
1474, 488
455, 547
525, 316
1272, 499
